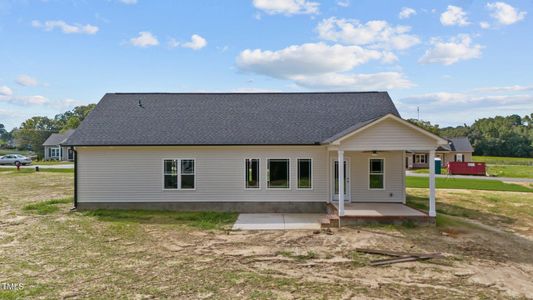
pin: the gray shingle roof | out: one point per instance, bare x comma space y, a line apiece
227, 118
460, 144
57, 138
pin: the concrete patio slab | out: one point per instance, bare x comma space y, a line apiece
278, 221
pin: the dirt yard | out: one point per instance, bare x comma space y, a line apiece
487, 241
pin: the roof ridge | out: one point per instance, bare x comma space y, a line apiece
240, 93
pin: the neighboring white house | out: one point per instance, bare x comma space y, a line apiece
246, 152
53, 149
458, 149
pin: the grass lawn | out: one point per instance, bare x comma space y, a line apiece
464, 183
28, 170
51, 162
108, 254
496, 160
14, 151
444, 171
513, 171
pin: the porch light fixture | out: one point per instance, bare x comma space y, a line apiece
374, 153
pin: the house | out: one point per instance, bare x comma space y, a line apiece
53, 149
458, 149
246, 152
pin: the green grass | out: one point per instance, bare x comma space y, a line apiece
51, 162
496, 160
14, 151
444, 171
464, 183
202, 220
513, 171
32, 170
46, 207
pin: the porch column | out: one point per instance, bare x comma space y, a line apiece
341, 182
432, 211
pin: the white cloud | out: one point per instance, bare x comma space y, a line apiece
317, 65
24, 100
287, 7
128, 2
145, 39
361, 82
343, 3
505, 14
456, 108
374, 34
504, 89
26, 80
5, 91
454, 15
406, 13
197, 42
457, 48
65, 27
484, 25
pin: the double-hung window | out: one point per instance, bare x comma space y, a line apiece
179, 174
54, 152
305, 174
278, 174
420, 158
251, 170
376, 174
459, 157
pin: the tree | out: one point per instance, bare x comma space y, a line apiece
72, 119
426, 125
33, 132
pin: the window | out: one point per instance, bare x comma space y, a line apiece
421, 158
251, 170
376, 171
187, 174
179, 174
278, 173
459, 157
54, 152
171, 174
304, 174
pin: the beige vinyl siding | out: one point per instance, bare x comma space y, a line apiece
135, 174
359, 176
388, 134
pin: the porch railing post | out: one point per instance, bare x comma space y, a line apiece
341, 182
432, 210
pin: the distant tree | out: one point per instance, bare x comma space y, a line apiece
71, 119
426, 125
458, 131
33, 132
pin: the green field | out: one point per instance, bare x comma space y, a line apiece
496, 160
469, 184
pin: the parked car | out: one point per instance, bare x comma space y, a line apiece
12, 159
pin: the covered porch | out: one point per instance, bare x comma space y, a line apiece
373, 173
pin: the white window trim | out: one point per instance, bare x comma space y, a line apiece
178, 174
267, 177
457, 156
258, 179
418, 156
298, 174
384, 171
53, 150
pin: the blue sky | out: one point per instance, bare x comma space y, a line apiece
456, 60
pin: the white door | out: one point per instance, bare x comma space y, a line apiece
335, 179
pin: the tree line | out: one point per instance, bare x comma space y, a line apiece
497, 136
32, 133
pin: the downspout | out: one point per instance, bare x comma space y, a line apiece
75, 178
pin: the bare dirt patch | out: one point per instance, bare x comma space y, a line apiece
62, 254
